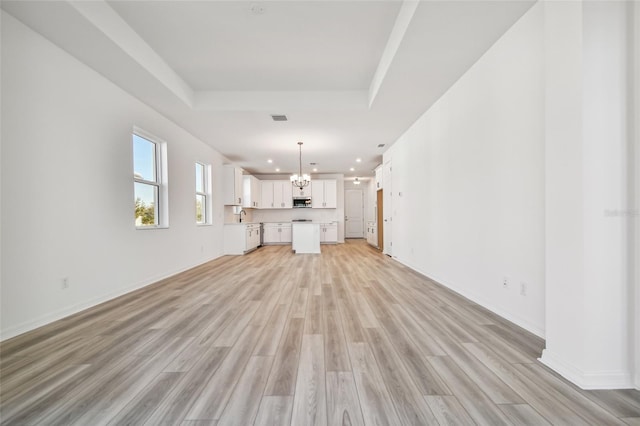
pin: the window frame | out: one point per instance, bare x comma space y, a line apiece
160, 185
205, 193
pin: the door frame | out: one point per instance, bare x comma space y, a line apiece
380, 218
361, 213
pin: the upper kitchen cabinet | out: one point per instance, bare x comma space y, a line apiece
232, 185
304, 192
276, 194
324, 194
251, 193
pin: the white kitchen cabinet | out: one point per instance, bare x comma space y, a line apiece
378, 178
240, 238
286, 194
253, 236
278, 201
304, 192
266, 194
324, 194
270, 234
372, 233
328, 233
285, 234
232, 185
277, 233
276, 194
251, 192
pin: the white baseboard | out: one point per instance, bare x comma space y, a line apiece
43, 320
521, 322
587, 379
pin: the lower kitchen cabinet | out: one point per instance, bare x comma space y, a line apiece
276, 233
372, 234
329, 233
241, 238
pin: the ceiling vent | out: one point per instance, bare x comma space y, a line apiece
279, 117
380, 145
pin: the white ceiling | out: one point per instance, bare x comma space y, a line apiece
348, 74
284, 46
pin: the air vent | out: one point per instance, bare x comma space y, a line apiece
380, 145
279, 117
313, 164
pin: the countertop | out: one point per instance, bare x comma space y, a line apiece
311, 221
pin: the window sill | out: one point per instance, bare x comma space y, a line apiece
146, 228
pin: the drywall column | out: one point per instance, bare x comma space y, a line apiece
634, 190
588, 323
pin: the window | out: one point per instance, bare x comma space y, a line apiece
149, 182
203, 195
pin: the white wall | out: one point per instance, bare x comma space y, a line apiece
563, 174
468, 183
588, 313
67, 188
371, 201
604, 101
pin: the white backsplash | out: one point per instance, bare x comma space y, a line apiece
231, 217
287, 215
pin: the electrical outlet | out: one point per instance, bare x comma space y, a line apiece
505, 282
65, 283
523, 289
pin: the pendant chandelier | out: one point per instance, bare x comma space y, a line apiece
299, 180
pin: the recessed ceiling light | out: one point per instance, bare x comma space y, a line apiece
277, 170
315, 169
358, 160
352, 169
269, 161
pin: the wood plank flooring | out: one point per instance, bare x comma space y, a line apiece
348, 337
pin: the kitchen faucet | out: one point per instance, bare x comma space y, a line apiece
240, 214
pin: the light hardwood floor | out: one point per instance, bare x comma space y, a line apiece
348, 337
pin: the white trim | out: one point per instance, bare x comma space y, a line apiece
71, 310
587, 380
521, 322
102, 16
147, 135
162, 178
362, 214
403, 20
206, 193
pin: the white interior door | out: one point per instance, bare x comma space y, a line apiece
354, 212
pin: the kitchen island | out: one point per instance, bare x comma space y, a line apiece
305, 237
